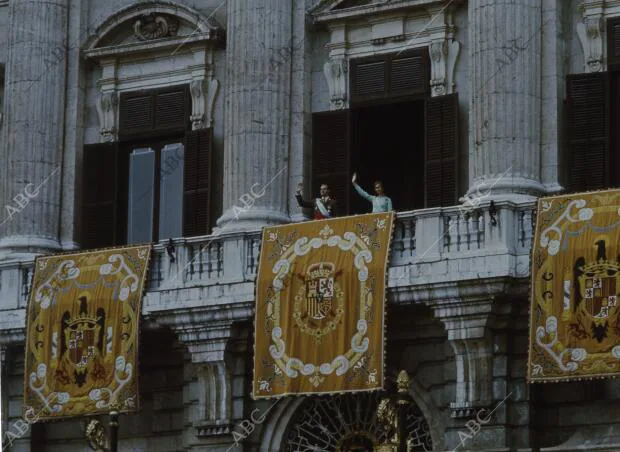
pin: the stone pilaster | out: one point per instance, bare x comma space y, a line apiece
32, 136
258, 113
505, 62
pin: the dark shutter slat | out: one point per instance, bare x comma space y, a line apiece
613, 43
196, 183
136, 113
616, 37
408, 75
170, 109
587, 128
370, 79
441, 159
389, 76
154, 112
330, 156
99, 188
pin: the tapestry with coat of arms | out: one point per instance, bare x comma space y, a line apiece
320, 301
575, 316
83, 322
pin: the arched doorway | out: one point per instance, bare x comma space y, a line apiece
348, 423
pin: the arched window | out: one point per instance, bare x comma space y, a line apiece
349, 423
146, 173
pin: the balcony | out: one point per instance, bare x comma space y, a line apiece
434, 252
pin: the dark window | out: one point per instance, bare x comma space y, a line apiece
587, 111
154, 183
441, 160
394, 132
331, 155
592, 115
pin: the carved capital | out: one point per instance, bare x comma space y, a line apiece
590, 33
107, 104
470, 338
336, 70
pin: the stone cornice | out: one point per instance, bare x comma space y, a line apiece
151, 46
13, 336
323, 13
450, 293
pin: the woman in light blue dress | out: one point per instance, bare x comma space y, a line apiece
380, 202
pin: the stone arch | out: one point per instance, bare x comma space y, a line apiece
284, 415
202, 23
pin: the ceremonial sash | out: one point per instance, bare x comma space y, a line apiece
321, 206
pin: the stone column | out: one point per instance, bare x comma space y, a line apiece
505, 69
258, 111
32, 135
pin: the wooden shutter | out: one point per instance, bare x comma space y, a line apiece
197, 183
369, 79
613, 44
99, 203
588, 129
171, 109
137, 113
154, 112
330, 156
409, 74
389, 76
441, 159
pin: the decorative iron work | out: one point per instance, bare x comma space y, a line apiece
349, 423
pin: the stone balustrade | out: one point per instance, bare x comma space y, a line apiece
430, 246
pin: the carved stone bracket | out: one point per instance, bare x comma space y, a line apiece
590, 33
336, 72
467, 325
203, 102
443, 56
107, 104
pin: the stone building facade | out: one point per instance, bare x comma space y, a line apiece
453, 103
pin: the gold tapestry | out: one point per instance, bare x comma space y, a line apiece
320, 306
82, 341
574, 319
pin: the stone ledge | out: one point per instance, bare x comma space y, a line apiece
211, 429
468, 410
